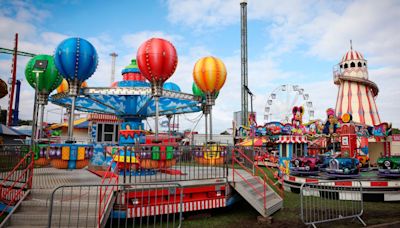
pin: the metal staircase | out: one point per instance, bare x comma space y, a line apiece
251, 183
273, 201
34, 212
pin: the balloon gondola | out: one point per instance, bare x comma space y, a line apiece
209, 76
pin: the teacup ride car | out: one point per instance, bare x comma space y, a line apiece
364, 162
325, 158
305, 166
389, 166
260, 155
272, 159
343, 167
210, 154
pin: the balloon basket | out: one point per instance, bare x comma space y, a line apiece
41, 162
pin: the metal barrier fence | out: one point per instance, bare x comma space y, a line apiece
331, 201
139, 205
187, 163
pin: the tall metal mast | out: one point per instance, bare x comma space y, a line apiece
244, 79
13, 81
113, 56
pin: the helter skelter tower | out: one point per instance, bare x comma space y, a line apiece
356, 93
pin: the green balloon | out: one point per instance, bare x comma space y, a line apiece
48, 80
197, 91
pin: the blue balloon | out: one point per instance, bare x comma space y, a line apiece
76, 58
171, 86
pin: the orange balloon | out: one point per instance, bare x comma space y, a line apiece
209, 74
64, 88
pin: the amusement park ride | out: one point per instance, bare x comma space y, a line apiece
298, 152
337, 148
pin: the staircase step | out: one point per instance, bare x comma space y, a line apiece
46, 194
273, 201
34, 203
42, 220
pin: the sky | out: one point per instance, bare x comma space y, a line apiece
289, 43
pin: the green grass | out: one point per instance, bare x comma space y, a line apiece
243, 215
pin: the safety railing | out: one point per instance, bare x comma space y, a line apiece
142, 205
240, 163
327, 201
17, 181
10, 156
109, 182
141, 164
246, 156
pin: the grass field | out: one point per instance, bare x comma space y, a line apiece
243, 215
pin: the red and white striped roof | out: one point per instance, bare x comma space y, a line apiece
352, 55
103, 118
292, 139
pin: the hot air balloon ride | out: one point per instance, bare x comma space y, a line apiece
157, 60
42, 75
209, 76
76, 60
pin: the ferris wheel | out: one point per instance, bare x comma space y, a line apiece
282, 99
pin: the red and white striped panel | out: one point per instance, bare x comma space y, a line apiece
176, 208
365, 184
292, 139
352, 55
103, 118
358, 100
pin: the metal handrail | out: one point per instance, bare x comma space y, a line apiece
102, 208
28, 172
263, 194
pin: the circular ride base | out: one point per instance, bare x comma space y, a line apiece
389, 175
365, 169
374, 187
299, 172
342, 176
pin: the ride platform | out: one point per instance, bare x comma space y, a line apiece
374, 188
208, 188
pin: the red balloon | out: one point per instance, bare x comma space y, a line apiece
157, 59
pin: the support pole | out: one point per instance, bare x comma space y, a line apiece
206, 117
41, 121
156, 100
34, 118
244, 80
71, 120
13, 79
211, 127
156, 90
73, 91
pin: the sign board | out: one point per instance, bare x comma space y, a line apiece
396, 137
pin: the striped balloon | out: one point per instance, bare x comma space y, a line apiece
64, 88
209, 74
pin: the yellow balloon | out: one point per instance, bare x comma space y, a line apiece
64, 88
209, 74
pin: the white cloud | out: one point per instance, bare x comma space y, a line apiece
319, 29
312, 29
133, 41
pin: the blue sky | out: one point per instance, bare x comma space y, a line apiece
293, 42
